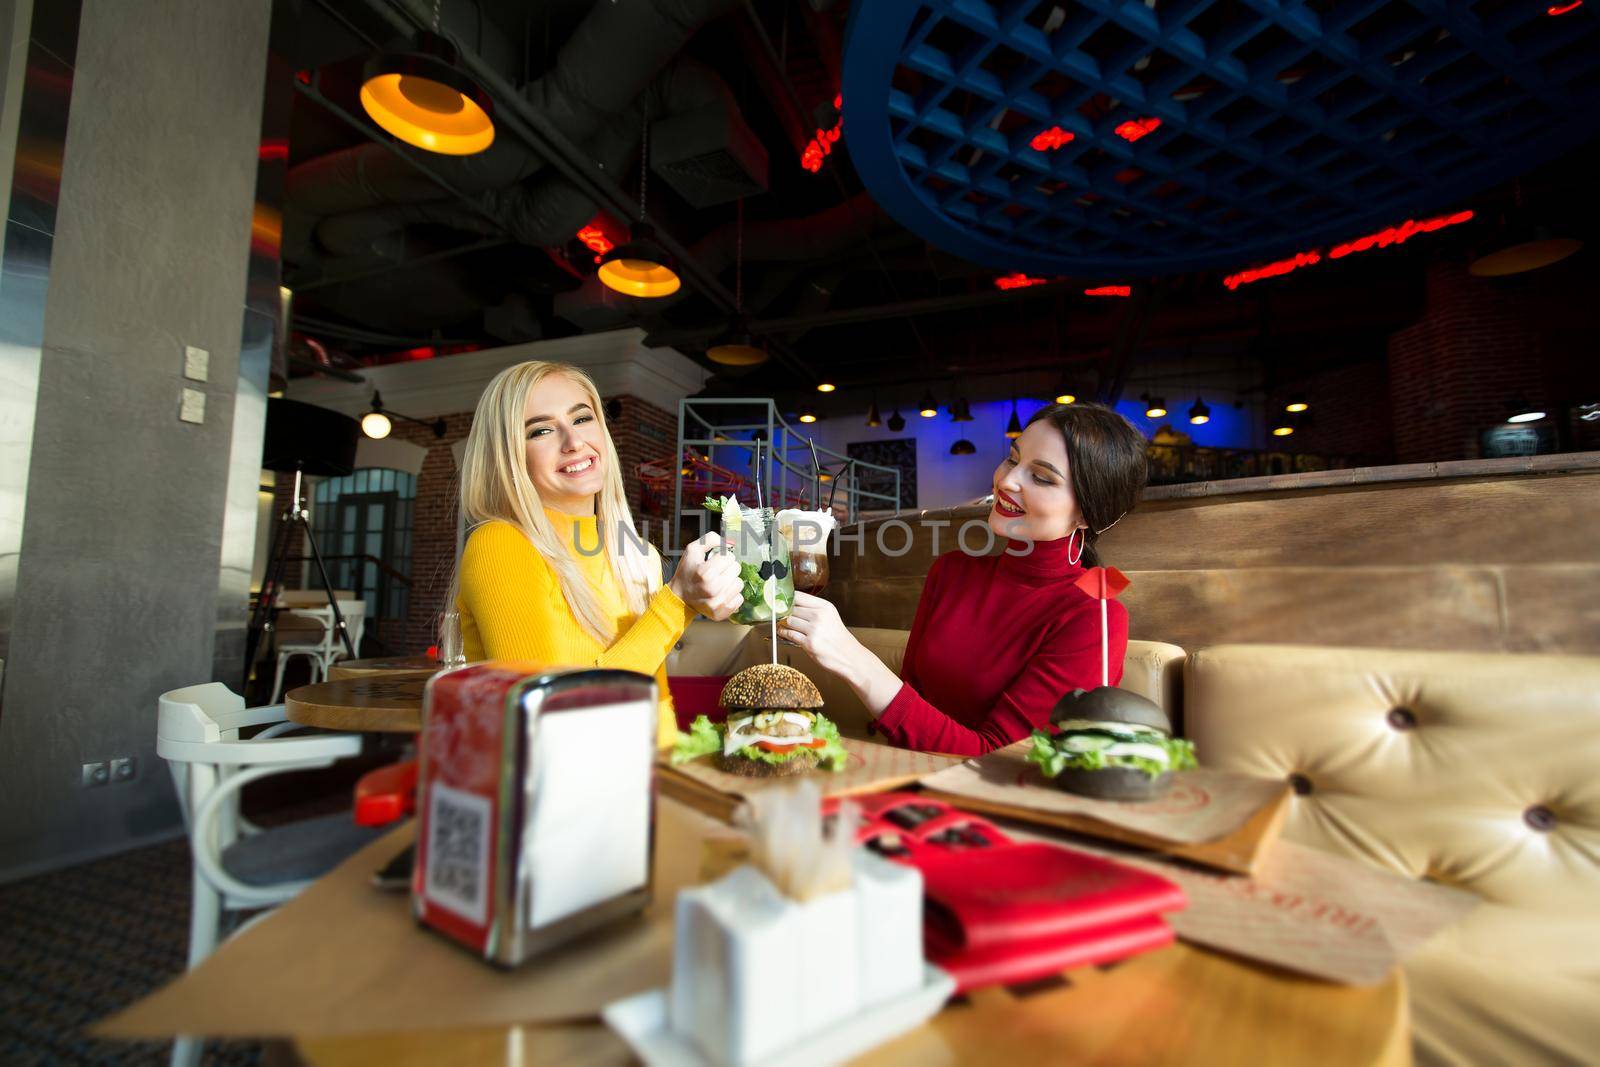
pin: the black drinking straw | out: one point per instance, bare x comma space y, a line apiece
816, 479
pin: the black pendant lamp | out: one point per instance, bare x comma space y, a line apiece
1014, 427
873, 418
423, 97
961, 410
641, 266
929, 407
1199, 413
1523, 243
1154, 406
738, 348
963, 447
897, 422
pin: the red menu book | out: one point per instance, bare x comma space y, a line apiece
1013, 892
996, 911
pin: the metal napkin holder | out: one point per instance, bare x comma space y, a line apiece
535, 805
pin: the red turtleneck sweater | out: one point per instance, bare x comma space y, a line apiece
995, 643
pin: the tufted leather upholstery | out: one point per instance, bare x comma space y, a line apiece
1150, 668
1480, 771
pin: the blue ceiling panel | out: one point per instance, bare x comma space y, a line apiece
1272, 126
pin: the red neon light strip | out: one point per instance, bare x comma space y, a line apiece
594, 239
1395, 235
821, 146
1054, 137
1384, 238
1564, 8
1017, 281
1109, 290
1134, 129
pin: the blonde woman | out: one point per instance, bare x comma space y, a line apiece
552, 572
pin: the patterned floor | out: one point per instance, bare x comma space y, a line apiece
82, 942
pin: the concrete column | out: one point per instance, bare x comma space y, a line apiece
122, 542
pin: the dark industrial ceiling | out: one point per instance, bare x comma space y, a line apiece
394, 253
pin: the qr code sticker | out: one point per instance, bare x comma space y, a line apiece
458, 852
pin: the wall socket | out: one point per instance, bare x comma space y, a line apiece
107, 771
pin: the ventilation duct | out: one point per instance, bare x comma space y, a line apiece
606, 78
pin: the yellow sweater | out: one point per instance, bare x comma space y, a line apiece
512, 608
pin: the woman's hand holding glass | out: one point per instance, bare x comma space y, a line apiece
707, 579
815, 626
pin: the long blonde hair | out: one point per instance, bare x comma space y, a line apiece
495, 485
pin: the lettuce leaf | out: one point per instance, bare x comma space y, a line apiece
1052, 760
705, 738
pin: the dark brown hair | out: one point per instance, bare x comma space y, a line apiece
1106, 462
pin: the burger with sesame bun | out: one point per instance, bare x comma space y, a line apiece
773, 727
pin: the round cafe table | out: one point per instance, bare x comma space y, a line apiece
386, 702
390, 666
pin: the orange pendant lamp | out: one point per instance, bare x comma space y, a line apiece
642, 266
424, 98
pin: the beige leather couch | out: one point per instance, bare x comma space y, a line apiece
1478, 771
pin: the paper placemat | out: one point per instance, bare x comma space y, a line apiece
1202, 805
344, 958
873, 768
1304, 909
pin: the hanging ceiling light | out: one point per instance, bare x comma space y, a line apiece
1199, 414
424, 97
1154, 406
737, 349
1519, 410
929, 406
808, 414
1522, 243
1297, 403
1065, 394
1014, 427
897, 422
963, 447
961, 410
377, 423
873, 418
826, 387
1284, 426
641, 266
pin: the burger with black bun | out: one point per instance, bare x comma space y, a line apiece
773, 727
1110, 744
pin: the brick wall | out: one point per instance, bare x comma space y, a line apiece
1451, 374
1350, 415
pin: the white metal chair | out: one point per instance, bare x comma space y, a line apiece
319, 641
239, 866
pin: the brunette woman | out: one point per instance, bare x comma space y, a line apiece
998, 639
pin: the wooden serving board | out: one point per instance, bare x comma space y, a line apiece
1215, 818
873, 768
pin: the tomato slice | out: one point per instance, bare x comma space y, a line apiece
768, 746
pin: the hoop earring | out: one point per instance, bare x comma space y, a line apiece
1083, 542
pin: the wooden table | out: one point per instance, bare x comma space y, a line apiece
387, 666
381, 703
329, 956
1180, 1005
